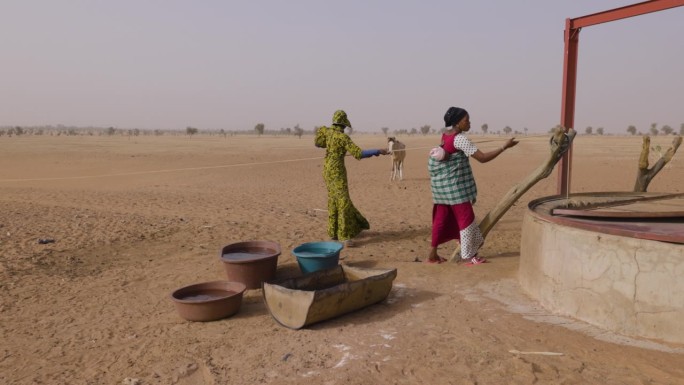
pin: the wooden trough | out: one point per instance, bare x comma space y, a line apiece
326, 294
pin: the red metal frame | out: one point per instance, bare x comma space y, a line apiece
572, 30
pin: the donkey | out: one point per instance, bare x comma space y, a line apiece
398, 151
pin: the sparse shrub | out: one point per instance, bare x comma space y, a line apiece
298, 131
632, 130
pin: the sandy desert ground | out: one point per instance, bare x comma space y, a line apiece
135, 218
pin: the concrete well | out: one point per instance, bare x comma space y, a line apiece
605, 272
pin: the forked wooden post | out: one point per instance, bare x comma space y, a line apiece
645, 175
559, 143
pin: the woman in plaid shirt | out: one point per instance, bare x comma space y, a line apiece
454, 190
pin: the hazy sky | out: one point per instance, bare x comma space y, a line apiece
399, 64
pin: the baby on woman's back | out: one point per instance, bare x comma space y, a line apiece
445, 148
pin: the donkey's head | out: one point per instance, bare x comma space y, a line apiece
390, 143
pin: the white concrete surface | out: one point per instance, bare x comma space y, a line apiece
626, 285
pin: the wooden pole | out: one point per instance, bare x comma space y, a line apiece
559, 143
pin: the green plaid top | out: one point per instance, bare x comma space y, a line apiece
452, 180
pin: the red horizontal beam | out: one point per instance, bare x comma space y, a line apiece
624, 12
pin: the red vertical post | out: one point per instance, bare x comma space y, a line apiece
572, 30
568, 103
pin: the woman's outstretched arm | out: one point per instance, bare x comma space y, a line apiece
484, 157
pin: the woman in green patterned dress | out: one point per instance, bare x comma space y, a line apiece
344, 220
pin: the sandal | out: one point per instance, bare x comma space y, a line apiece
476, 261
435, 261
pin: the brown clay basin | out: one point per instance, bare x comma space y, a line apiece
208, 301
250, 262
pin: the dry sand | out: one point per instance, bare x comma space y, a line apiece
134, 219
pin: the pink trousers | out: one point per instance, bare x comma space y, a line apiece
456, 222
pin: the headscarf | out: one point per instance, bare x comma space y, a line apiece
453, 116
340, 119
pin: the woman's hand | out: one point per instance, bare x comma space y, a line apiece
510, 143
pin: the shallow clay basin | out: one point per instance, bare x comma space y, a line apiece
208, 301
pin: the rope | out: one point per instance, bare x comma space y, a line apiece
157, 171
187, 168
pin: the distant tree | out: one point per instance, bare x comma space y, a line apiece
525, 129
223, 133
681, 129
111, 131
599, 131
654, 129
484, 128
413, 131
191, 131
589, 130
158, 132
666, 130
385, 129
507, 130
298, 131
136, 132
632, 130
18, 131
259, 128
425, 129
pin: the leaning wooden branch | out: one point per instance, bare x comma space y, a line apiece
559, 143
645, 175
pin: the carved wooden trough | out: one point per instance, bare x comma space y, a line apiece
325, 294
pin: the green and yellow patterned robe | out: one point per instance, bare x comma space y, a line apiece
344, 220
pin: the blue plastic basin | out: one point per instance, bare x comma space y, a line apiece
314, 256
